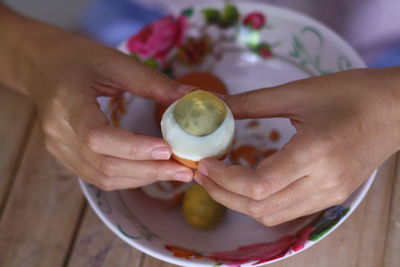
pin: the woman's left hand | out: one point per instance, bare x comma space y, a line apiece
347, 124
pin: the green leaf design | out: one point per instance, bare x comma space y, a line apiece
318, 61
126, 234
326, 226
294, 53
169, 72
306, 57
263, 50
230, 16
188, 12
323, 72
303, 62
323, 229
148, 235
249, 37
316, 33
211, 16
98, 193
343, 63
151, 63
134, 56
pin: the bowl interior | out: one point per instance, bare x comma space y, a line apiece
246, 54
237, 229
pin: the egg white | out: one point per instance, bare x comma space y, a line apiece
196, 148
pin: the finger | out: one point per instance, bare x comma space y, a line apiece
79, 166
306, 207
143, 170
287, 197
93, 131
233, 178
280, 101
291, 196
75, 162
145, 81
293, 162
272, 175
227, 198
120, 143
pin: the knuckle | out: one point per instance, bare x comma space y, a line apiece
333, 182
340, 197
259, 189
49, 129
244, 100
92, 138
48, 145
321, 147
254, 209
134, 151
213, 194
106, 184
269, 221
212, 191
157, 174
108, 166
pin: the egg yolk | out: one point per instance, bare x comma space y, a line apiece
199, 113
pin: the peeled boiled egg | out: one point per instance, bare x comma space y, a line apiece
199, 125
200, 79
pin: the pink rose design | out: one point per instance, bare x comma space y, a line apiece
255, 20
262, 252
302, 238
158, 38
264, 50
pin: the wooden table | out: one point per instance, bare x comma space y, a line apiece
45, 221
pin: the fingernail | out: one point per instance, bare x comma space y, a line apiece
184, 89
161, 153
183, 176
202, 168
198, 179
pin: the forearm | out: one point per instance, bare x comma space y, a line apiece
22, 42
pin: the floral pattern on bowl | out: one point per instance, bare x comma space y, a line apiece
210, 37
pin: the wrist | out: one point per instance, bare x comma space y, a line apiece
394, 85
24, 42
385, 83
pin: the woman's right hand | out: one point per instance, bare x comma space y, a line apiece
64, 74
78, 134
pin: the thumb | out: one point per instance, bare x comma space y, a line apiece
280, 101
145, 81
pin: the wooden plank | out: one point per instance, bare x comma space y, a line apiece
153, 262
392, 248
357, 242
97, 246
39, 219
360, 240
16, 114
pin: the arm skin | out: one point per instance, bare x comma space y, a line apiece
62, 73
22, 39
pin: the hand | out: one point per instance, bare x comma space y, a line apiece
68, 75
347, 124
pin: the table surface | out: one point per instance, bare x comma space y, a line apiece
45, 220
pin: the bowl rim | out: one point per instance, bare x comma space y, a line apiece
279, 12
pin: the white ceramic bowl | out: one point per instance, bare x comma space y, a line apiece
259, 46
